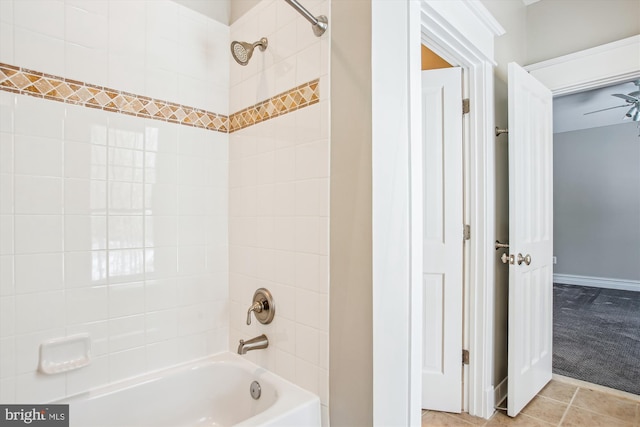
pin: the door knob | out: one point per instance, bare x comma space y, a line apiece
508, 259
526, 259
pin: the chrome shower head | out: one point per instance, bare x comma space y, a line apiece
242, 51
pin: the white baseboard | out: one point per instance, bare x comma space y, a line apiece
500, 393
597, 282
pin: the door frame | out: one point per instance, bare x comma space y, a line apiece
463, 34
600, 66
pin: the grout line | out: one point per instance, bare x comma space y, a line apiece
566, 411
538, 396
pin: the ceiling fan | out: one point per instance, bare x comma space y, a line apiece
632, 100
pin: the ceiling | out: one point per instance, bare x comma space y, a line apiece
569, 110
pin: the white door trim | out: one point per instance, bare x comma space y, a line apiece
396, 256
462, 33
466, 38
591, 68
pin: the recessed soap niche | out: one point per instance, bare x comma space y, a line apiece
65, 354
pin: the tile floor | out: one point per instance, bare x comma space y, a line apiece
559, 404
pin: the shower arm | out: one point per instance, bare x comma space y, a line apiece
318, 24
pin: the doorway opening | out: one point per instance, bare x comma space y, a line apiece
597, 238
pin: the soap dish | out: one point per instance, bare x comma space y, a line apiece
65, 354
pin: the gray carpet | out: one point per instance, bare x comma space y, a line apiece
596, 336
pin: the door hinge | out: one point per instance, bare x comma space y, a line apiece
466, 232
465, 357
465, 106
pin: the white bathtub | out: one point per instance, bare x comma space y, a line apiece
209, 392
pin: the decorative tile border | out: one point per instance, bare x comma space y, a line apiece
286, 102
34, 83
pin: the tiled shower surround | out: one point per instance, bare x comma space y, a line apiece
150, 230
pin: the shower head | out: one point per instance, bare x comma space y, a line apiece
242, 51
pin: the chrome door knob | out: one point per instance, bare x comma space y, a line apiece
526, 259
508, 259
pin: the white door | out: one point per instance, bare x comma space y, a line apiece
530, 238
443, 239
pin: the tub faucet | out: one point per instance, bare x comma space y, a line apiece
253, 344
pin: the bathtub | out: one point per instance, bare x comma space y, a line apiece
208, 392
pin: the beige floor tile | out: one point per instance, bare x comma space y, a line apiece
522, 420
560, 391
546, 409
578, 417
606, 404
476, 421
442, 419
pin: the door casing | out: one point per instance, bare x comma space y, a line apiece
463, 36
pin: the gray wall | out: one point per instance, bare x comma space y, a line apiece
597, 202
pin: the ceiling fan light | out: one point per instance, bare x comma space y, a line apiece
631, 111
636, 115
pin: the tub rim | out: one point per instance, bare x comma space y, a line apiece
284, 405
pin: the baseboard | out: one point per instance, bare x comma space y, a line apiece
597, 282
500, 393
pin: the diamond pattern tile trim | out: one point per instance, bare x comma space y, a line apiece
286, 102
37, 84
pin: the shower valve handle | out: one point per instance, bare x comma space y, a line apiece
263, 307
257, 307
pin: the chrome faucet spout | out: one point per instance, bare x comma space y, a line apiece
253, 344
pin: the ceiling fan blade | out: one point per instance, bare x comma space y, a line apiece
626, 97
605, 109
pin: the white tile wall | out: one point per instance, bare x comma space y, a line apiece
127, 218
110, 224
279, 197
